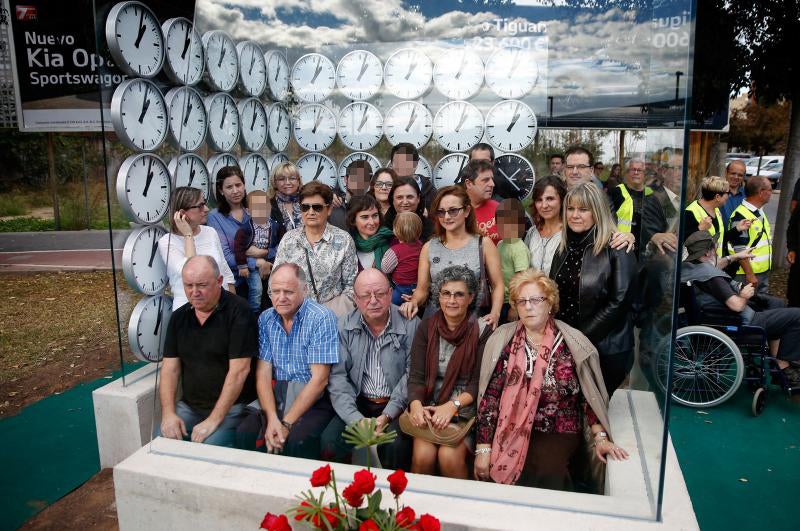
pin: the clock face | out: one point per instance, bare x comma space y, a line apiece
313, 78
147, 329
143, 188
408, 121
277, 158
142, 264
139, 114
216, 163
448, 169
513, 176
253, 69
223, 121
407, 73
510, 125
277, 75
360, 126
317, 167
458, 126
187, 118
359, 75
256, 172
314, 127
222, 61
253, 119
134, 39
280, 127
184, 61
511, 72
189, 170
371, 159
458, 74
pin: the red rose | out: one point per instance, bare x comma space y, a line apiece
405, 517
397, 482
273, 522
304, 511
332, 516
368, 525
321, 476
353, 496
429, 523
364, 481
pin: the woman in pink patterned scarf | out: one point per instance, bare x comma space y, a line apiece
540, 385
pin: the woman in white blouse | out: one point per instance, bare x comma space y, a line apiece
189, 237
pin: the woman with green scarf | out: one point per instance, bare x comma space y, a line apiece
372, 239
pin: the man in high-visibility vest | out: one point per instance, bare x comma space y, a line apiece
756, 236
704, 213
627, 200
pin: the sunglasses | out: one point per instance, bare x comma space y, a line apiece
305, 207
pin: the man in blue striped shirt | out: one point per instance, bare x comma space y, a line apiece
298, 343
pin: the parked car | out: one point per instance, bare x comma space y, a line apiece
752, 166
773, 172
730, 157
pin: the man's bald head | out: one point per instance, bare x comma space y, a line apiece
202, 282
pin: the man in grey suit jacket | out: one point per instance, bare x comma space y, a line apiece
370, 379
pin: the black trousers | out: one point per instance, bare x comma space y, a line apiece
793, 289
615, 367
783, 324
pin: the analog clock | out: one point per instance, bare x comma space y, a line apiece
359, 75
139, 114
511, 72
510, 125
317, 167
134, 39
407, 73
408, 121
280, 127
314, 127
214, 164
189, 170
143, 188
449, 167
253, 120
223, 121
313, 78
371, 159
184, 59
277, 75
253, 69
360, 126
277, 158
222, 62
458, 73
142, 264
147, 329
513, 176
256, 172
458, 126
187, 118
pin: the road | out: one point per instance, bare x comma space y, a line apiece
61, 251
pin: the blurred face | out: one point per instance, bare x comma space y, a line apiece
735, 174
556, 165
373, 296
357, 181
314, 211
532, 307
201, 287
406, 199
259, 208
634, 175
367, 222
549, 204
454, 300
672, 177
403, 164
481, 189
480, 154
197, 213
579, 218
507, 225
452, 213
598, 169
577, 169
233, 190
288, 184
286, 292
383, 185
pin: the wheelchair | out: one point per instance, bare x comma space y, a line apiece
714, 354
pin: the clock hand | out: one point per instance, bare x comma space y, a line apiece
253, 123
509, 179
460, 66
363, 68
189, 108
363, 120
153, 249
222, 55
186, 41
411, 68
255, 175
317, 70
463, 163
515, 64
280, 118
142, 27
277, 72
191, 172
224, 114
319, 170
462, 119
513, 119
158, 319
145, 104
317, 120
252, 62
412, 119
149, 177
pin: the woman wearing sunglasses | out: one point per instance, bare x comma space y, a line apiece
458, 242
326, 254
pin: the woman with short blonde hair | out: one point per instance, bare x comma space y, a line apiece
284, 187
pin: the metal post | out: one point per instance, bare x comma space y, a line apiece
51, 169
86, 187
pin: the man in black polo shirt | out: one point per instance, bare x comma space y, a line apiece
211, 342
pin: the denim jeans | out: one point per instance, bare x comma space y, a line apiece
399, 290
254, 291
225, 434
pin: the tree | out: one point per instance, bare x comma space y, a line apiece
761, 129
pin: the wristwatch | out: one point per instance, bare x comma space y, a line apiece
457, 402
287, 425
601, 435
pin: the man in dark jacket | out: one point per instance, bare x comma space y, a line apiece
793, 245
405, 159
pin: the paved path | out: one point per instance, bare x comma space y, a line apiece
60, 251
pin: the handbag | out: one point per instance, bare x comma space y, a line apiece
340, 305
451, 435
484, 293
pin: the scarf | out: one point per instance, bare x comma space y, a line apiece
518, 405
290, 208
378, 243
462, 362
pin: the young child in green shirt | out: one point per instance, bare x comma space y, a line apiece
514, 254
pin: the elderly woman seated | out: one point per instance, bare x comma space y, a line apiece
540, 385
443, 376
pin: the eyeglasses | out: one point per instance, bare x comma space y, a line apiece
201, 206
289, 179
280, 292
384, 184
305, 207
533, 301
581, 167
366, 297
452, 212
636, 170
457, 295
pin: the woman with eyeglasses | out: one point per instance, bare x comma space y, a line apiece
596, 282
381, 187
188, 237
405, 196
457, 241
284, 186
443, 375
326, 254
540, 386
371, 238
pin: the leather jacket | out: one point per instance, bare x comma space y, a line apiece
607, 287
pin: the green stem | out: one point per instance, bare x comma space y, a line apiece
335, 490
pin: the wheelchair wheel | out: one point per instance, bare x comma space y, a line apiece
707, 369
759, 401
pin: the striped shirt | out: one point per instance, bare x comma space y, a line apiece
374, 383
313, 339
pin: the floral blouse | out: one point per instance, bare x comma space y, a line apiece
560, 406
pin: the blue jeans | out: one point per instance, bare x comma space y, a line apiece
254, 290
225, 434
399, 290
